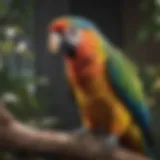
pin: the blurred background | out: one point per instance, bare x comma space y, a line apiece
32, 82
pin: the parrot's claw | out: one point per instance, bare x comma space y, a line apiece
112, 141
82, 131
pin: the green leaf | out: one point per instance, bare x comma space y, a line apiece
18, 29
7, 46
28, 55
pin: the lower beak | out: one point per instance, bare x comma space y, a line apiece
53, 43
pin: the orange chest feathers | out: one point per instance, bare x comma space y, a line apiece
97, 100
87, 77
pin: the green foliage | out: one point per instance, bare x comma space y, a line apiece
17, 96
17, 12
17, 79
18, 82
150, 19
151, 80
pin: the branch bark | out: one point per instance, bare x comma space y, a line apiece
15, 136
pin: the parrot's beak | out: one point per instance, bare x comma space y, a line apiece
54, 42
58, 45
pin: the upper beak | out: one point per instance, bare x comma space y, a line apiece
54, 42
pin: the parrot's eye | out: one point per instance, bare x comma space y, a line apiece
73, 35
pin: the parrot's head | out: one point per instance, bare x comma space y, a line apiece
73, 37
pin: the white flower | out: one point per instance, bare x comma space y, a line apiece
21, 47
157, 2
31, 88
10, 97
10, 32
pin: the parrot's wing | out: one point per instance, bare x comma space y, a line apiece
125, 82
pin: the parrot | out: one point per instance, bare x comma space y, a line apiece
103, 82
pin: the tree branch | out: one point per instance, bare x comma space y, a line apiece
14, 137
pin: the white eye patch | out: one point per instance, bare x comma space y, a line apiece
54, 41
55, 37
73, 35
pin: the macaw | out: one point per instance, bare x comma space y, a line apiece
103, 81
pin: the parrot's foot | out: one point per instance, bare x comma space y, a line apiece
112, 140
82, 131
